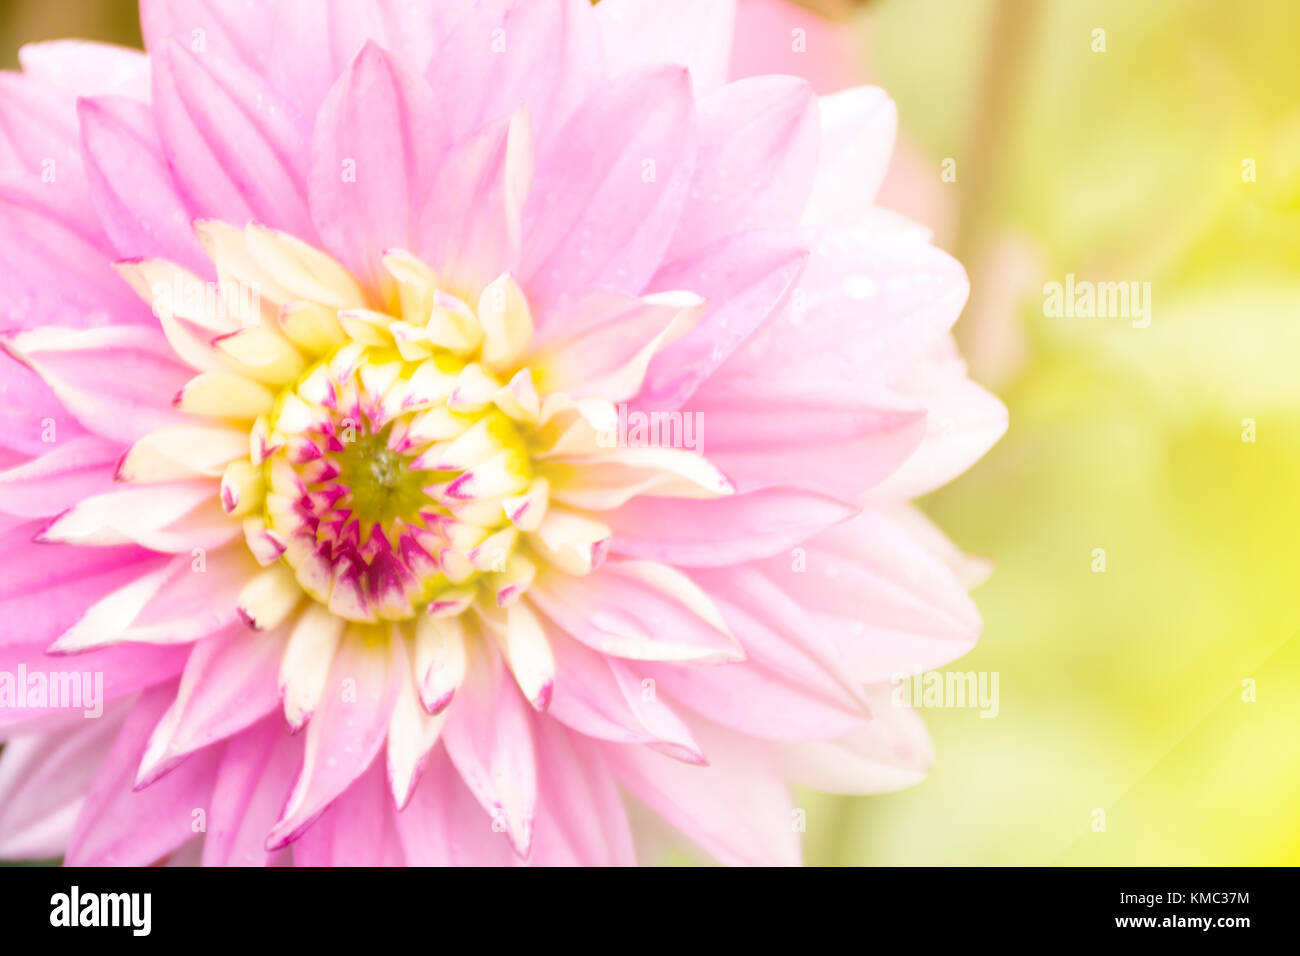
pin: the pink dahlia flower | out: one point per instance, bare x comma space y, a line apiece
432, 427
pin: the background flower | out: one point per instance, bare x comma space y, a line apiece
1140, 692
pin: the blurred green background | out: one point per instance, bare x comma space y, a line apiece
1120, 691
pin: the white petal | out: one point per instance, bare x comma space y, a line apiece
307, 661
176, 454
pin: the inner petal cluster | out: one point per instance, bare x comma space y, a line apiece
406, 450
384, 485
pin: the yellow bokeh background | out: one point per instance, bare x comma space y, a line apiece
1123, 691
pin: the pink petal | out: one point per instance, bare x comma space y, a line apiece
489, 739
230, 681
963, 421
755, 165
789, 688
77, 468
412, 734
870, 304
637, 610
85, 68
609, 699
38, 137
472, 229
858, 127
375, 151
31, 416
505, 53
176, 517
256, 773
118, 381
764, 44
43, 780
119, 826
695, 532
745, 278
627, 322
125, 670
607, 195
890, 752
234, 31
841, 446
580, 815
444, 825
344, 735
326, 36
132, 188
357, 829
235, 148
694, 33
56, 263
887, 604
175, 603
594, 343
970, 571
376, 146
44, 588
737, 809
759, 700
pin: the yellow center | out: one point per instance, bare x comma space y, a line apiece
387, 485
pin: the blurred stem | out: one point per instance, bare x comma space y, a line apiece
984, 168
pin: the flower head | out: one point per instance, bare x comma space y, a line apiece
437, 422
